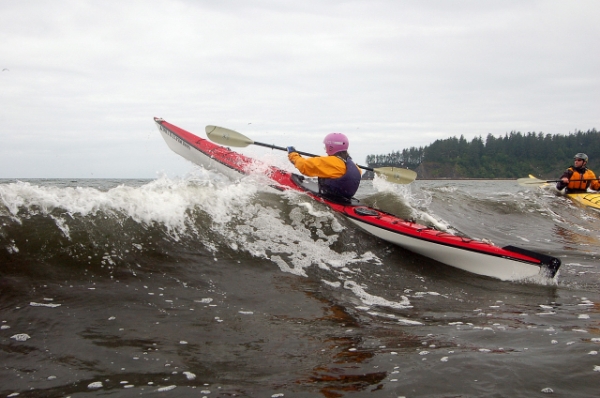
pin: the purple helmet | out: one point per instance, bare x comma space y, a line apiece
335, 142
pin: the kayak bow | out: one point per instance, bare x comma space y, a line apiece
475, 256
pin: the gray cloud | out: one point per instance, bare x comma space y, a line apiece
85, 78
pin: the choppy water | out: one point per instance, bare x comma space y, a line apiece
202, 287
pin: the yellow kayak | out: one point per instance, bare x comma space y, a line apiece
588, 199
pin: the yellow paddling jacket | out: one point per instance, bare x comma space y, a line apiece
337, 176
320, 166
577, 180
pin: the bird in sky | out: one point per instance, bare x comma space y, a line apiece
5, 69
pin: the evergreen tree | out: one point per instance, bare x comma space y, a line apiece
512, 156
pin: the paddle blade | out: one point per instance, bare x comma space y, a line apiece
531, 181
396, 175
227, 137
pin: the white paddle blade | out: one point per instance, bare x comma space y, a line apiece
227, 137
396, 174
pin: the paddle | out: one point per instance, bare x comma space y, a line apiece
532, 181
224, 136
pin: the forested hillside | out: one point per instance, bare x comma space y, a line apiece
512, 156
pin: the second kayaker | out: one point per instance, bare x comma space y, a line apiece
578, 178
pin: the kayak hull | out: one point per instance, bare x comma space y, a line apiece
481, 263
475, 256
191, 147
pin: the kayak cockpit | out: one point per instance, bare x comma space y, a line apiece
312, 186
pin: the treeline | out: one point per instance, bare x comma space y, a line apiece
512, 156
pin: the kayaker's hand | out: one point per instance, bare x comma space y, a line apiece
291, 149
565, 180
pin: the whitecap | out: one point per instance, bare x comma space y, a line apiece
21, 337
34, 304
369, 299
332, 284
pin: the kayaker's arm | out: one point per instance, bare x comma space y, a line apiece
595, 185
564, 180
321, 166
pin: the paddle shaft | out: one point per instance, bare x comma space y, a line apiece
593, 179
301, 153
227, 137
532, 181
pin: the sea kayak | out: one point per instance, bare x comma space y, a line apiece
475, 256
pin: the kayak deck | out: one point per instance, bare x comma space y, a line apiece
587, 199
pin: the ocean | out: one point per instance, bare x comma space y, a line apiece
202, 287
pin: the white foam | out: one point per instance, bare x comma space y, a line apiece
20, 337
381, 184
369, 299
294, 246
34, 304
191, 376
294, 240
332, 284
165, 201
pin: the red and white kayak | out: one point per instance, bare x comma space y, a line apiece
478, 257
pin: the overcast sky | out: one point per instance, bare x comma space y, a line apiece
82, 80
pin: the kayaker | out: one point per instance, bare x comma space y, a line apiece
578, 178
338, 174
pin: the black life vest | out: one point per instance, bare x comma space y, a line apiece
345, 186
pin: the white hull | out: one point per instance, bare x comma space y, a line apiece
478, 263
